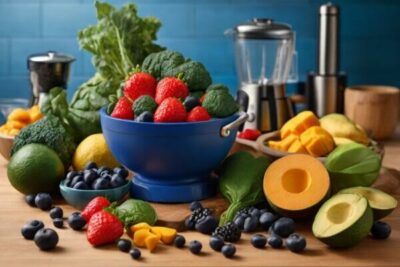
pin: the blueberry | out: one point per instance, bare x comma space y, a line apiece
267, 219
101, 183
216, 243
46, 239
283, 227
250, 224
262, 211
258, 241
81, 186
117, 181
239, 221
91, 165
207, 225
255, 213
121, 171
296, 243
76, 221
275, 241
77, 178
58, 222
189, 224
71, 175
195, 205
146, 116
89, 176
135, 253
29, 230
190, 102
228, 250
104, 170
195, 246
56, 212
43, 201
30, 200
67, 182
179, 241
380, 230
124, 245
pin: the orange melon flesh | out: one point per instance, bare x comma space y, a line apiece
295, 185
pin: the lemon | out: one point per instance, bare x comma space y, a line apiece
93, 148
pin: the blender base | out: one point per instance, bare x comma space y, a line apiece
198, 189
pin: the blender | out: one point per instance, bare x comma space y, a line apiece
264, 50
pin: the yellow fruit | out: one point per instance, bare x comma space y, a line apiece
299, 124
20, 114
166, 234
317, 141
93, 148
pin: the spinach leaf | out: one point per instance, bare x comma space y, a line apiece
241, 182
134, 211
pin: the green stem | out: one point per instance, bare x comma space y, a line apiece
229, 214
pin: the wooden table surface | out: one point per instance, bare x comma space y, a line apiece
74, 250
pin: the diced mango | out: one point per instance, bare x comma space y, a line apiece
139, 226
145, 238
275, 145
166, 234
16, 124
317, 141
20, 115
297, 147
151, 242
299, 124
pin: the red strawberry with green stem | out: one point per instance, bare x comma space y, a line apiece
170, 87
104, 228
123, 109
140, 83
95, 205
170, 110
198, 114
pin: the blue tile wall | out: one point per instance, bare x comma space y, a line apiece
370, 35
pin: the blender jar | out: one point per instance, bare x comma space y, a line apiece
263, 52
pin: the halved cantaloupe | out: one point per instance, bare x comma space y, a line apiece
296, 185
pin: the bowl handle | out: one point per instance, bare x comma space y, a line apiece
226, 130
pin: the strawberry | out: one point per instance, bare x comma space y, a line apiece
95, 205
198, 114
123, 109
140, 83
170, 110
170, 87
250, 134
103, 228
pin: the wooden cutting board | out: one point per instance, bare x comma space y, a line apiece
174, 215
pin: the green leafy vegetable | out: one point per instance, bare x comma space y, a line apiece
134, 211
170, 63
144, 103
241, 182
119, 41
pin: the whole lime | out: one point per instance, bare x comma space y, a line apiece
35, 168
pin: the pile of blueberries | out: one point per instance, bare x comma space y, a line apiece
46, 238
97, 178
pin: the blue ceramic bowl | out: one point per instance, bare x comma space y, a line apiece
79, 198
172, 161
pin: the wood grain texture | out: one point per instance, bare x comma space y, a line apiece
74, 250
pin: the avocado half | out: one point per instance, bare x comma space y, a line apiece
343, 221
381, 203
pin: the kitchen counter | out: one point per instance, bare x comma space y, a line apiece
74, 250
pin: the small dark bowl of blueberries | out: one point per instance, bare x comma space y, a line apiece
79, 187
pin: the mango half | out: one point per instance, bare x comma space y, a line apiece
296, 185
352, 165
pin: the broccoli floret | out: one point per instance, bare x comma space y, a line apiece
169, 63
144, 103
220, 104
217, 86
48, 131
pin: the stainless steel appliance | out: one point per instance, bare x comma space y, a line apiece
48, 70
325, 87
263, 51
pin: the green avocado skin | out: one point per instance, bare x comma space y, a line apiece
341, 181
352, 235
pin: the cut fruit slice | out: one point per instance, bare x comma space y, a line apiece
297, 147
296, 185
166, 234
382, 204
299, 124
343, 221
